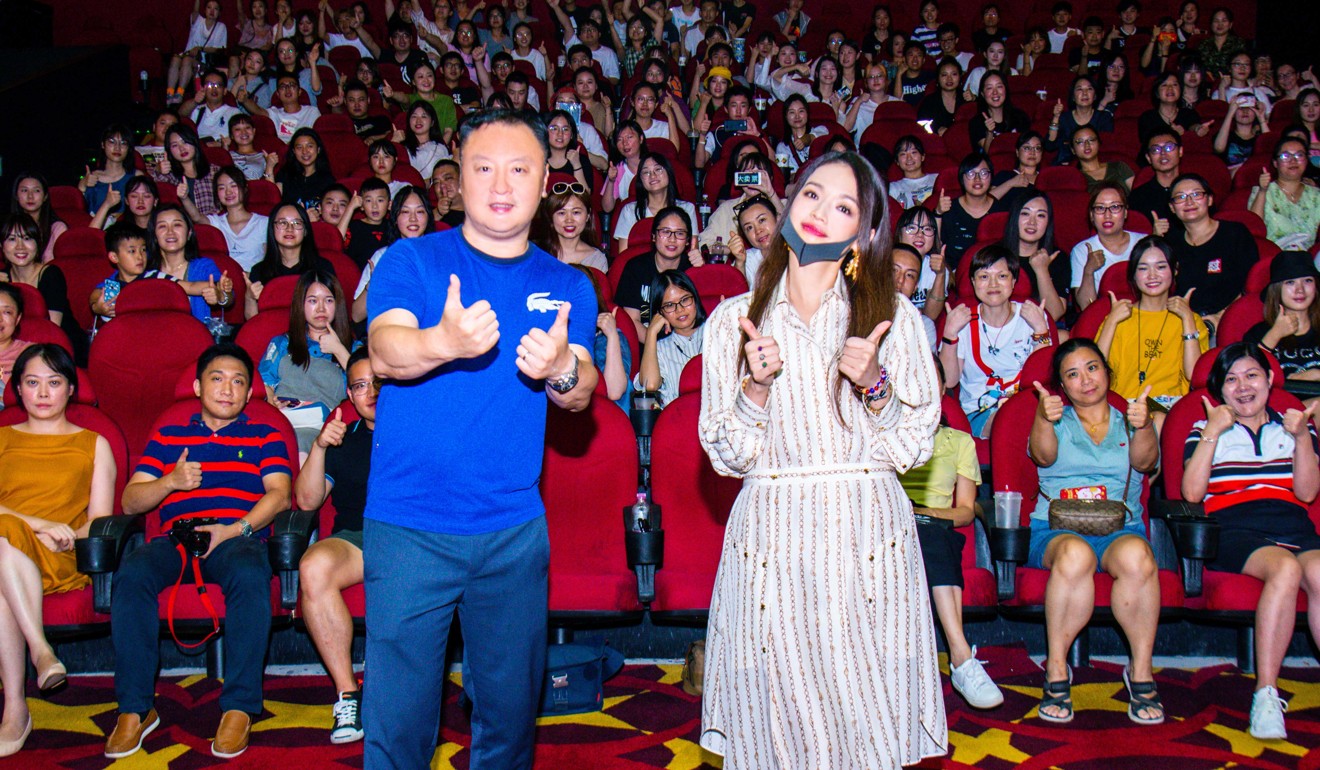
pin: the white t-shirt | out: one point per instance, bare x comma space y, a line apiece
1003, 350
536, 58
627, 217
1057, 40
247, 246
591, 142
784, 149
367, 270
1262, 96
929, 326
427, 156
659, 129
974, 79
682, 19
608, 61
692, 39
752, 266
865, 116
786, 86
926, 282
911, 192
214, 124
1079, 252
287, 123
425, 25
335, 40
200, 36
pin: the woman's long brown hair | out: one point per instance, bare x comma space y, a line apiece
339, 325
872, 297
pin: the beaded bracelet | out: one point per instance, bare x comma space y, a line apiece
876, 392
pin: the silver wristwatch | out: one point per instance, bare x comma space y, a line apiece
565, 382
244, 528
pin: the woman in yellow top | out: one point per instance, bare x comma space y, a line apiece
1157, 340
41, 514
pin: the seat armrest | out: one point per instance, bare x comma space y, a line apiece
1009, 547
981, 540
99, 554
1195, 538
291, 534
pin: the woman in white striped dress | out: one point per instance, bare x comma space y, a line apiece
817, 389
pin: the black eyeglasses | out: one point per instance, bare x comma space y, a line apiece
577, 188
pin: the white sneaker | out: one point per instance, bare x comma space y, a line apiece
1267, 715
976, 687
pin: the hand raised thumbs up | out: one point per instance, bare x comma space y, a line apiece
465, 332
186, 475
1217, 418
859, 360
1138, 410
1049, 406
545, 353
763, 355
1159, 224
333, 432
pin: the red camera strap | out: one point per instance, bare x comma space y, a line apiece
201, 592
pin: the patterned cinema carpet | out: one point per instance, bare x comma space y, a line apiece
649, 722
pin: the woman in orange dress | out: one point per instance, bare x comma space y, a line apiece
55, 478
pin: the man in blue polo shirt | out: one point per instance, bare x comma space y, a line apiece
218, 465
473, 328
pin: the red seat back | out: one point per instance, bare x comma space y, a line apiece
1245, 312
717, 282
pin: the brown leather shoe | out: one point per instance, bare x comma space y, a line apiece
231, 737
129, 733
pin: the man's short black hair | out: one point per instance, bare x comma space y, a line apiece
224, 350
528, 121
355, 85
361, 354
1093, 22
946, 28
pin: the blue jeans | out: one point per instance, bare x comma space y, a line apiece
241, 567
415, 581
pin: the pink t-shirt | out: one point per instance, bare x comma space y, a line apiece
7, 358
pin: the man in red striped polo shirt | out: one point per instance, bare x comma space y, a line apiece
219, 465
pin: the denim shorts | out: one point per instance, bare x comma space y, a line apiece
1041, 535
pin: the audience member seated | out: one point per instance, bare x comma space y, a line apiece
1167, 113
907, 275
943, 495
21, 242
566, 227
995, 113
55, 478
996, 60
610, 352
1021, 180
409, 217
1289, 206
674, 338
1111, 244
337, 467
917, 227
423, 138
169, 479
1291, 329
1117, 84
1244, 123
208, 37
126, 247
629, 145
985, 344
306, 173
1152, 344
722, 224
11, 315
290, 114
1029, 233
382, 157
757, 220
172, 253
113, 172
290, 250
565, 157
673, 247
244, 231
304, 369
1151, 198
31, 196
363, 236
1090, 450
207, 108
1257, 471
916, 185
960, 217
1086, 148
1081, 111
799, 134
653, 190
241, 143
184, 167
140, 199
448, 193
861, 113
333, 206
1210, 256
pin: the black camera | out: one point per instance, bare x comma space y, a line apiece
184, 532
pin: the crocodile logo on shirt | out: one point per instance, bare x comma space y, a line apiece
540, 300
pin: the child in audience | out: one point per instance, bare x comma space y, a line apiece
363, 236
126, 247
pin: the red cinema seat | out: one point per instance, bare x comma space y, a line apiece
717, 282
589, 477
137, 357
272, 318
1245, 312
695, 502
629, 329
979, 597
1022, 590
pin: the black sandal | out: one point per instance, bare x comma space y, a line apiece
1143, 697
1058, 695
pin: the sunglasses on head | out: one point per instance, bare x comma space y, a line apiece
560, 188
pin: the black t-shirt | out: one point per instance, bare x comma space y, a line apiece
932, 109
1152, 121
305, 190
1094, 61
1217, 269
1014, 120
1060, 276
372, 125
958, 232
464, 95
735, 16
454, 217
363, 240
635, 283
410, 63
1152, 199
347, 467
982, 39
914, 87
871, 45
266, 271
1296, 353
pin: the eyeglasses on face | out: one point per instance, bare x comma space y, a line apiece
1287, 156
670, 307
1192, 195
288, 224
1168, 148
560, 188
1085, 141
978, 173
914, 229
674, 235
360, 387
1113, 209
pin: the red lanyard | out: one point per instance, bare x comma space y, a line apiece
990, 377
